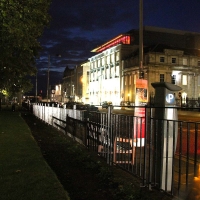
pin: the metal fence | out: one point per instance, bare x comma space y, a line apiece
170, 166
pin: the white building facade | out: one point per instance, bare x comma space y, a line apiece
106, 78
105, 71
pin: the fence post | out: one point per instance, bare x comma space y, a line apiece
109, 138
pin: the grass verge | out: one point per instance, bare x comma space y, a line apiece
24, 174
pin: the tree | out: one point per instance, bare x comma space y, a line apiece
22, 22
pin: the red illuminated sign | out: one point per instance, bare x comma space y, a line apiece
139, 120
121, 39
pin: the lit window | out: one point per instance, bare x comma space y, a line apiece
162, 59
184, 79
117, 71
130, 80
173, 60
162, 77
112, 72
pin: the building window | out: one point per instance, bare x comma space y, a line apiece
162, 77
173, 79
112, 74
198, 80
88, 75
162, 59
130, 80
107, 73
184, 61
173, 60
117, 71
184, 79
198, 63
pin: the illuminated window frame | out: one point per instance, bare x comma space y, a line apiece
184, 79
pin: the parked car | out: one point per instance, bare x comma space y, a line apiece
91, 108
105, 104
70, 105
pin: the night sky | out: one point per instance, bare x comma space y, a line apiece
78, 26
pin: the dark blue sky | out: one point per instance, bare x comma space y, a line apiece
78, 26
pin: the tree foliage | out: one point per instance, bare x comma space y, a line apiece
22, 22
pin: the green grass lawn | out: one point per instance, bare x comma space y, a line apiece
24, 174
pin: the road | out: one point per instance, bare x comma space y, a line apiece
183, 115
188, 132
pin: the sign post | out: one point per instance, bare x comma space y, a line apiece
139, 114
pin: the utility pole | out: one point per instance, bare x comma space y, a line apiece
36, 87
48, 78
141, 41
49, 65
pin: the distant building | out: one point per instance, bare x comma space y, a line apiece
85, 82
56, 93
68, 85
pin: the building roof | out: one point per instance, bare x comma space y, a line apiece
155, 35
120, 39
68, 72
161, 48
163, 30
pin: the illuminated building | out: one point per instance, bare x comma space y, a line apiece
56, 95
84, 79
105, 83
169, 55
